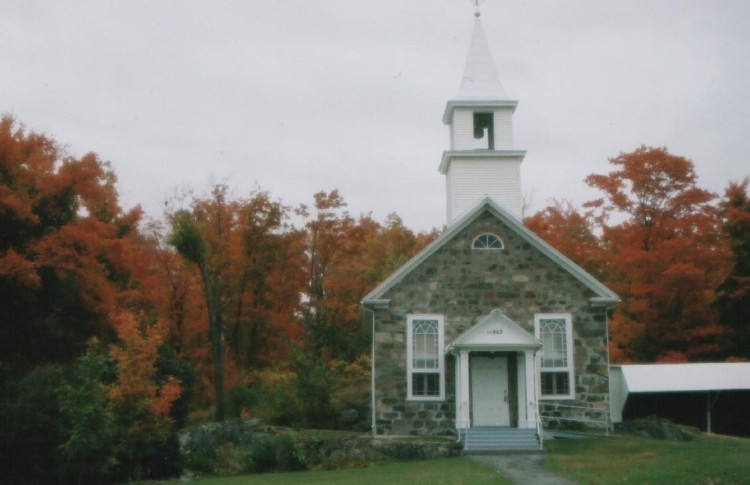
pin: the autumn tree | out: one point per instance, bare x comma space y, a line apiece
65, 251
347, 257
140, 399
667, 256
71, 260
570, 231
267, 280
189, 240
733, 303
250, 267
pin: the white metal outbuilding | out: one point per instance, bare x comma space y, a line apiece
709, 378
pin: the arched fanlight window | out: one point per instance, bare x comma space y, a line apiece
487, 241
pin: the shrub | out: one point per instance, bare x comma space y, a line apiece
242, 398
30, 427
278, 453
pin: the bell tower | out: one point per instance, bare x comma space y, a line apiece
481, 161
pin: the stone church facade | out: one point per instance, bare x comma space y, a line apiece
487, 323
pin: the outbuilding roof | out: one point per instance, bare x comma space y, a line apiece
686, 377
625, 380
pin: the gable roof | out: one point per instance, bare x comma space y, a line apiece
604, 295
495, 331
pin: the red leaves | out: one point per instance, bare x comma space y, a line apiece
136, 389
667, 256
571, 233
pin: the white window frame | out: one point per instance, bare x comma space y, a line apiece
410, 370
474, 242
570, 360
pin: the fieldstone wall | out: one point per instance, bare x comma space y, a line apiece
464, 285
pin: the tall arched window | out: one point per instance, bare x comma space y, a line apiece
487, 241
425, 362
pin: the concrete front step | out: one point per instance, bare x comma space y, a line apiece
501, 440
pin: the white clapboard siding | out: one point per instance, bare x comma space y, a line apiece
504, 129
470, 180
463, 131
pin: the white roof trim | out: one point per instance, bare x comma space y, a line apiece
449, 155
495, 332
603, 294
479, 103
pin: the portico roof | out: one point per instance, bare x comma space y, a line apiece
495, 332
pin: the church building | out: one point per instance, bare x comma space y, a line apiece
488, 334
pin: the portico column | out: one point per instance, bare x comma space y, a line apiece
531, 404
462, 393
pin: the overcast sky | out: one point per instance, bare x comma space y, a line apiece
299, 96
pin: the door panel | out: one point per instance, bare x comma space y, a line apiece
489, 391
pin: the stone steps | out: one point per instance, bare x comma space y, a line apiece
501, 440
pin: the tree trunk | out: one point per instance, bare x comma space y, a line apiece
212, 290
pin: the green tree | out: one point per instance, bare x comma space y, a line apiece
89, 449
31, 426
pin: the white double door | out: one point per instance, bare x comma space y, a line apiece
489, 391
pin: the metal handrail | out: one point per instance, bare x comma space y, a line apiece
539, 428
462, 427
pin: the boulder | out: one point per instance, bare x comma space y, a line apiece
658, 428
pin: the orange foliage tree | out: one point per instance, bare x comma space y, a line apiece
734, 293
67, 251
250, 268
71, 261
347, 258
667, 257
140, 403
570, 231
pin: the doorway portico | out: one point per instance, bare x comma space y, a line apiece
495, 374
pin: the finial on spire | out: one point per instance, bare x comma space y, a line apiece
477, 13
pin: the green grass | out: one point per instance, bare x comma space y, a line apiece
446, 471
709, 460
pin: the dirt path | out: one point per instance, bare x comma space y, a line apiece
522, 469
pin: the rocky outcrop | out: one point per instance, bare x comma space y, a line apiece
247, 446
659, 428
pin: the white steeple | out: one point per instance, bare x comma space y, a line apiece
480, 81
481, 161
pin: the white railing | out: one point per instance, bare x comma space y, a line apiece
603, 422
539, 433
461, 427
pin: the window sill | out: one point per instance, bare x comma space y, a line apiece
425, 398
557, 398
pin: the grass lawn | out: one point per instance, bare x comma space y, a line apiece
713, 460
444, 471
622, 459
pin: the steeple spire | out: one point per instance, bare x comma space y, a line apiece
480, 79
